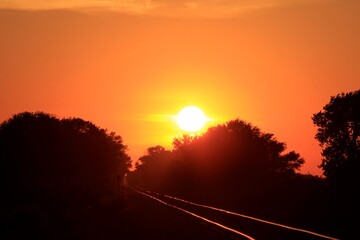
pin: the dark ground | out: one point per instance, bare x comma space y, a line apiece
139, 218
148, 219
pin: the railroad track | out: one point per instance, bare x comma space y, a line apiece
235, 225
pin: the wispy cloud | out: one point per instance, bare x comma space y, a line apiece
200, 8
120, 5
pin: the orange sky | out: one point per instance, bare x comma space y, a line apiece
129, 66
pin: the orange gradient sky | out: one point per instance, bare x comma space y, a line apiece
130, 66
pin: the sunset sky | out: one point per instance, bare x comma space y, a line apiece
131, 66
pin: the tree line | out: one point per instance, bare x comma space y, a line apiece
237, 165
61, 177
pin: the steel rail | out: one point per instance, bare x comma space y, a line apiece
245, 216
195, 215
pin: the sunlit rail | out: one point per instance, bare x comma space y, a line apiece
244, 216
194, 215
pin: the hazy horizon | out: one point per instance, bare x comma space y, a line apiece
132, 67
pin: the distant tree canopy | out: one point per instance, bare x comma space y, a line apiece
246, 148
152, 168
44, 157
238, 167
228, 153
339, 135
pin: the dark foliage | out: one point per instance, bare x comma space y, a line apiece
339, 136
153, 168
237, 167
227, 154
57, 174
233, 161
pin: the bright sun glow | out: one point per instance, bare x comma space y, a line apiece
191, 119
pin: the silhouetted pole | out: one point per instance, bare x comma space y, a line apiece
118, 184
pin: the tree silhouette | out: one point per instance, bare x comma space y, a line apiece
152, 169
237, 147
57, 169
235, 154
339, 135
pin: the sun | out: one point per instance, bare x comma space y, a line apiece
191, 119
